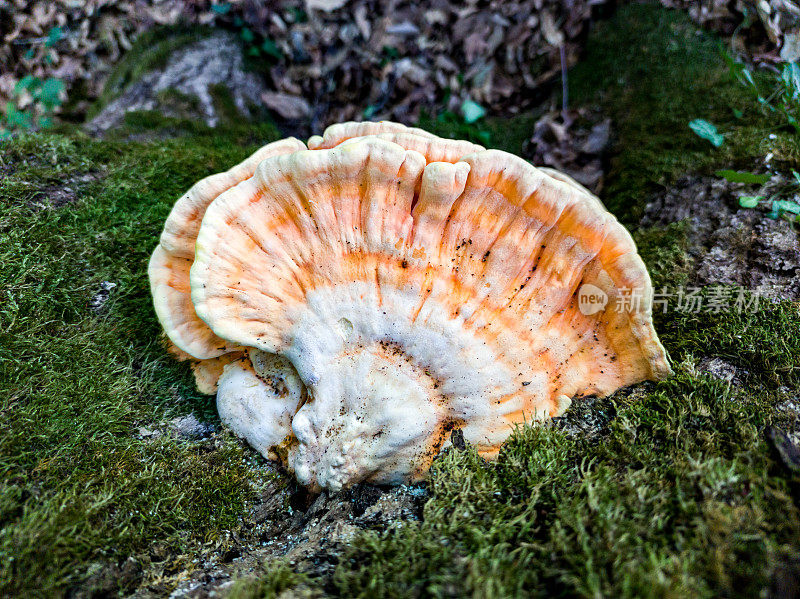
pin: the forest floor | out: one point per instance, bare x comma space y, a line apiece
117, 477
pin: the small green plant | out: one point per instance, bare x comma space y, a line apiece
255, 45
468, 123
775, 208
462, 127
784, 96
472, 111
46, 95
34, 100
777, 94
782, 203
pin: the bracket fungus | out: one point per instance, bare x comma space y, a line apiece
352, 301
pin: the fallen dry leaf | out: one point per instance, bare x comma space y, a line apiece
287, 106
330, 60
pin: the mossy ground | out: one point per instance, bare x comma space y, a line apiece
78, 486
678, 495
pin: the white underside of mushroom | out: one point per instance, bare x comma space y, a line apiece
258, 399
371, 367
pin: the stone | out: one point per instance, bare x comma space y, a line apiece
191, 71
189, 427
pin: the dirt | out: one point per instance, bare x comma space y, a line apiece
587, 417
719, 368
101, 297
309, 531
63, 193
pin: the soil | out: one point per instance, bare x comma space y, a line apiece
308, 531
61, 194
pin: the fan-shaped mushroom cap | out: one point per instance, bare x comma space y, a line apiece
433, 148
172, 258
415, 288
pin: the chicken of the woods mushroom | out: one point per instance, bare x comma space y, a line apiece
354, 300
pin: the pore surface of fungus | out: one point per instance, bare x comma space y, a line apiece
355, 301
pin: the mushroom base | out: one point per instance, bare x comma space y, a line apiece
376, 420
258, 397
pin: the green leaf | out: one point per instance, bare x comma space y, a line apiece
791, 120
247, 36
271, 49
391, 52
27, 82
748, 78
778, 208
221, 9
786, 206
370, 111
472, 111
30, 54
749, 201
796, 176
707, 131
737, 113
50, 93
17, 118
54, 36
742, 177
298, 15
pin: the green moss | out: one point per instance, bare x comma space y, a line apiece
178, 103
665, 253
758, 338
151, 125
224, 104
509, 134
653, 71
78, 484
275, 579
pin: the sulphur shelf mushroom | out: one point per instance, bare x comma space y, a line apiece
353, 301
